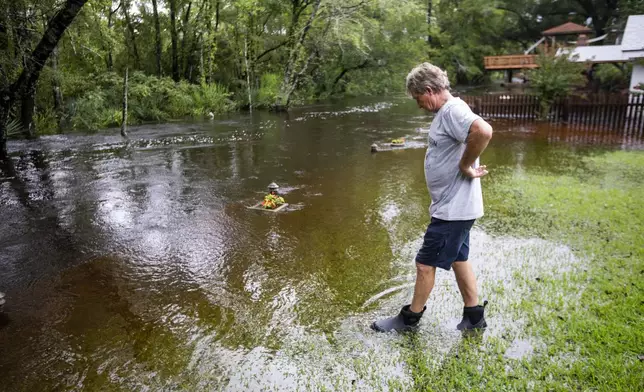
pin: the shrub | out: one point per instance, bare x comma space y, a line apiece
211, 98
268, 89
555, 78
86, 111
46, 122
96, 101
611, 78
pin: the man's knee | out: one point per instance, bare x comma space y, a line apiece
422, 269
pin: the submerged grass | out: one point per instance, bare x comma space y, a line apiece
588, 320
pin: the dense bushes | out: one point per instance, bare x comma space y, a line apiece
268, 90
94, 101
555, 78
610, 78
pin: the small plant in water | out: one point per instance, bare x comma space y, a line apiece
272, 201
399, 141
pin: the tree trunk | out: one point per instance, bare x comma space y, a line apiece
250, 96
27, 111
57, 92
194, 65
217, 17
213, 43
185, 29
291, 75
34, 63
157, 28
429, 22
202, 74
4, 119
173, 34
193, 58
124, 116
109, 60
130, 29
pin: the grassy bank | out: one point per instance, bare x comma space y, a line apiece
589, 320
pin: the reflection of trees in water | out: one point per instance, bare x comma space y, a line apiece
99, 305
35, 244
48, 243
575, 133
96, 308
547, 147
11, 175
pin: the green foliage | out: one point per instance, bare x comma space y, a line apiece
555, 78
226, 49
96, 100
271, 201
630, 7
369, 53
13, 127
46, 122
268, 89
91, 111
611, 78
463, 33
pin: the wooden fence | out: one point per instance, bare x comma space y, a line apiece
614, 111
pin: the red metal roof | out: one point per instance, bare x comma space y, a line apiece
567, 28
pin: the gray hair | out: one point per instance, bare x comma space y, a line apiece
426, 77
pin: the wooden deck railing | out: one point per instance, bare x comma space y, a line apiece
511, 62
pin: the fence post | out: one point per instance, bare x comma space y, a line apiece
639, 112
612, 109
124, 114
477, 106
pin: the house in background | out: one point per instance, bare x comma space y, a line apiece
631, 49
548, 44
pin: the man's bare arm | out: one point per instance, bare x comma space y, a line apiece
477, 140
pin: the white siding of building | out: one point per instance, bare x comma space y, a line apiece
637, 76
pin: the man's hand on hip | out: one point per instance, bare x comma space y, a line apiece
475, 173
478, 138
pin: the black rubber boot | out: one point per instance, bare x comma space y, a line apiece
473, 318
405, 321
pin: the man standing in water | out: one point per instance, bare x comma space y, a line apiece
457, 137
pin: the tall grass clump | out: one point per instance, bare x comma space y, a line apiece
94, 102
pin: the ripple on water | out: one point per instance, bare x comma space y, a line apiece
374, 108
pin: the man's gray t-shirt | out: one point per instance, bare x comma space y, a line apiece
454, 196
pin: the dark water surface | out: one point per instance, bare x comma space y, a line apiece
137, 266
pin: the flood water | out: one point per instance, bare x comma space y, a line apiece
138, 266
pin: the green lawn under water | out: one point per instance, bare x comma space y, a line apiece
591, 343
